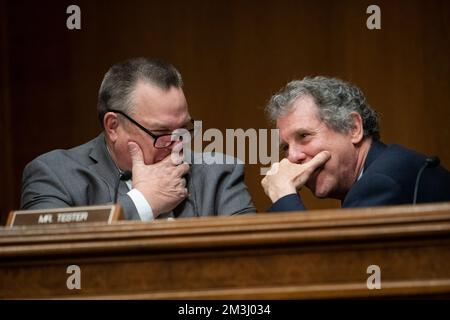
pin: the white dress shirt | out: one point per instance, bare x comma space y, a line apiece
143, 207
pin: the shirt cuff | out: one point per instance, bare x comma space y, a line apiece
143, 207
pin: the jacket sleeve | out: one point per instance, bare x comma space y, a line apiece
290, 202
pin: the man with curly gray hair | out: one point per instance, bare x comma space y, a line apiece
331, 139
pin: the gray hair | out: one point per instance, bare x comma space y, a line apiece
335, 100
121, 79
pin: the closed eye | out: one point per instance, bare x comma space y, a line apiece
303, 135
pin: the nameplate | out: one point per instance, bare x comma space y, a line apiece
102, 213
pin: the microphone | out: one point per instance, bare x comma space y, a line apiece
124, 176
430, 162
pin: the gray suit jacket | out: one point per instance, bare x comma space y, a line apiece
86, 175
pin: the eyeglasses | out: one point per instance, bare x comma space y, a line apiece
160, 141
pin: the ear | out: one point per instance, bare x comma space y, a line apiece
357, 132
111, 125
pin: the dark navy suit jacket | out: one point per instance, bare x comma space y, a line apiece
388, 178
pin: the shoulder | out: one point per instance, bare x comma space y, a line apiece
391, 176
63, 158
215, 162
388, 179
215, 170
396, 162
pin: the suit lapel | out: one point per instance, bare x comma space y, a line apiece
376, 148
188, 207
104, 166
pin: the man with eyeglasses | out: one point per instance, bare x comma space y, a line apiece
140, 105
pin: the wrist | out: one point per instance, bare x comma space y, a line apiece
280, 193
153, 203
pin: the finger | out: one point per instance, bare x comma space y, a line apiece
183, 182
177, 154
181, 170
182, 192
264, 182
273, 169
167, 161
135, 151
317, 161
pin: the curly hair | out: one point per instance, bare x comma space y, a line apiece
335, 99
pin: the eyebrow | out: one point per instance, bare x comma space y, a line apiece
163, 128
304, 130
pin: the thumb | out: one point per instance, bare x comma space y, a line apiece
136, 154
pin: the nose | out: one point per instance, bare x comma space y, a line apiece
296, 155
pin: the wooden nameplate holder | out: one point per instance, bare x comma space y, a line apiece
101, 213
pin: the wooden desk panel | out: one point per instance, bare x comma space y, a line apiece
318, 254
